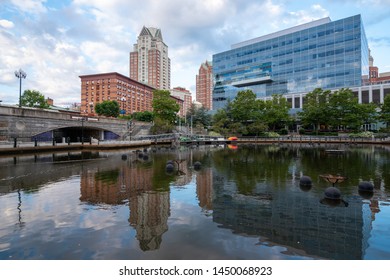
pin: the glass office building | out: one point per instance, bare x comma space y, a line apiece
320, 54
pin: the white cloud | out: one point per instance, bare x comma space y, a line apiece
303, 16
6, 23
56, 45
30, 6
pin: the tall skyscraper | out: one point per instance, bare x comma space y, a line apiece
149, 61
320, 54
205, 84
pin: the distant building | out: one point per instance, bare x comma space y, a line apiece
205, 84
179, 102
292, 62
49, 101
375, 77
131, 95
184, 95
149, 61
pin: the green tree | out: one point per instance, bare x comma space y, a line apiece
221, 120
344, 110
161, 126
198, 116
315, 109
276, 112
164, 107
108, 108
165, 111
367, 113
33, 98
256, 127
245, 108
145, 116
384, 114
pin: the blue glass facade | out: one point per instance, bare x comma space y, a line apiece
326, 54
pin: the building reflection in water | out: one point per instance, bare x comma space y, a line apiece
149, 212
265, 203
282, 215
133, 183
204, 189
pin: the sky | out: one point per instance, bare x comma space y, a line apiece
55, 42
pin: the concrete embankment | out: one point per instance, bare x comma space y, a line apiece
30, 148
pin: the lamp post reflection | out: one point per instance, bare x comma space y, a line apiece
21, 224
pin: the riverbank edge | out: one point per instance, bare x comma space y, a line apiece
73, 147
146, 143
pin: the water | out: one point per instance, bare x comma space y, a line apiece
244, 202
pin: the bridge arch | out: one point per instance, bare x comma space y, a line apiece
75, 133
28, 124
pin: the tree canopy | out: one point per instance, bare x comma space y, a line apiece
276, 112
339, 110
164, 107
200, 117
315, 109
33, 98
108, 108
165, 111
248, 115
145, 116
384, 115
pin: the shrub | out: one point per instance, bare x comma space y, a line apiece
364, 134
283, 131
271, 134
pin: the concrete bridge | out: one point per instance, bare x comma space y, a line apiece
29, 124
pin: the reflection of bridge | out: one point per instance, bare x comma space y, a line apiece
27, 124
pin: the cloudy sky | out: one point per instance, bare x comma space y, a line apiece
56, 41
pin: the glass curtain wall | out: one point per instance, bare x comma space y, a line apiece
330, 56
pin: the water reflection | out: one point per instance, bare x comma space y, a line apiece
250, 191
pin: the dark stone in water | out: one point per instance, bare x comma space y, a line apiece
332, 193
305, 181
169, 167
366, 186
197, 165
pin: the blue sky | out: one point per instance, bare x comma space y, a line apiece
56, 41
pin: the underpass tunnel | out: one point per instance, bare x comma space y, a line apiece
75, 134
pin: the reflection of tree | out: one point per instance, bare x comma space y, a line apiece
109, 176
161, 180
103, 185
357, 164
250, 165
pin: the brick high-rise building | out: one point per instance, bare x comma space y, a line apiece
149, 61
204, 85
131, 95
184, 95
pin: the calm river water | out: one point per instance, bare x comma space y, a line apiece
244, 202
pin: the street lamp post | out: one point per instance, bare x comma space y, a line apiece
83, 119
191, 125
21, 75
123, 111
